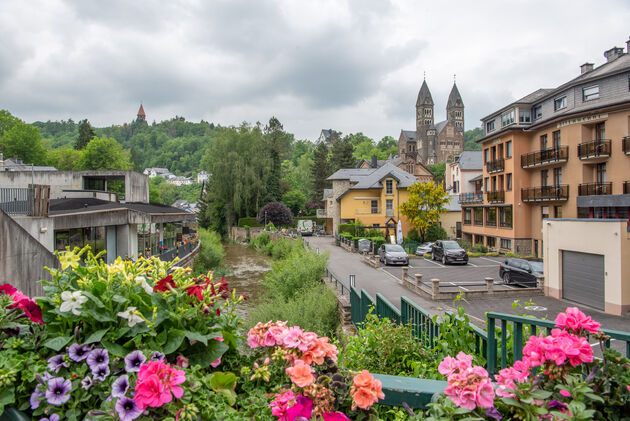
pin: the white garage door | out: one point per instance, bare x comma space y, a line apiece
583, 278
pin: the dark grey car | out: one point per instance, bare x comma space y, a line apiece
521, 272
393, 254
449, 252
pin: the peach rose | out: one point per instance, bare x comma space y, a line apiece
363, 379
301, 374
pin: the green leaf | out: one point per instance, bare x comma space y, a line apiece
96, 336
203, 355
161, 338
93, 298
119, 299
220, 380
173, 341
196, 336
100, 315
57, 343
540, 394
7, 397
115, 349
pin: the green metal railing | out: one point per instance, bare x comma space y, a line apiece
338, 282
420, 321
387, 309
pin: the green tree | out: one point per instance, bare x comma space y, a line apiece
387, 143
155, 195
7, 121
425, 205
295, 200
341, 154
438, 170
21, 140
104, 153
277, 143
64, 159
86, 134
471, 137
320, 171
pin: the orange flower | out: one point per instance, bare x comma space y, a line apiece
301, 374
363, 379
366, 390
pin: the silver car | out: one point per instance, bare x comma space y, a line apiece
423, 249
393, 254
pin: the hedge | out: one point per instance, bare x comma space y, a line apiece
250, 221
348, 228
253, 223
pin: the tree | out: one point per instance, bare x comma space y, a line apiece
341, 155
320, 171
64, 159
438, 170
277, 213
104, 153
23, 141
86, 134
7, 121
470, 138
298, 177
425, 205
295, 200
277, 143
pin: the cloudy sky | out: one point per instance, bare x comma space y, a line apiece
354, 66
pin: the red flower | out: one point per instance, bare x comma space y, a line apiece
196, 290
164, 284
21, 301
8, 289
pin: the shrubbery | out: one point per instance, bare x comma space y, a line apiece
275, 212
249, 221
434, 233
211, 253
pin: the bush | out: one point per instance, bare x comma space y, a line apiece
271, 227
295, 200
348, 228
261, 241
492, 253
473, 254
377, 241
249, 221
464, 244
414, 236
434, 233
282, 248
480, 248
211, 253
275, 212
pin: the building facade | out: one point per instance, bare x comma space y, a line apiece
556, 153
433, 142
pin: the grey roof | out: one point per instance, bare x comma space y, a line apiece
470, 160
478, 178
349, 173
395, 161
16, 164
454, 97
409, 135
326, 133
327, 193
534, 96
370, 178
424, 94
440, 126
453, 205
88, 204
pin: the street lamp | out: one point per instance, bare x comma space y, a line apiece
265, 220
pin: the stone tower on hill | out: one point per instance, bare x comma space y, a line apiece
141, 114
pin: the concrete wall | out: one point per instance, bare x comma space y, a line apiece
609, 238
22, 258
40, 228
448, 221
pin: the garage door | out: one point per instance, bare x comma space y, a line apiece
583, 278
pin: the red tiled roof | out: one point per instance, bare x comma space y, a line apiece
141, 111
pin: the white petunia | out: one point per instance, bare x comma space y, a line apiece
72, 301
131, 315
143, 282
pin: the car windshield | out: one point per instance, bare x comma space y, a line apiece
537, 266
451, 245
393, 248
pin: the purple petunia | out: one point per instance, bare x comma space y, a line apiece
493, 413
100, 372
157, 356
36, 398
120, 386
56, 363
78, 352
87, 382
97, 357
134, 360
57, 392
127, 409
53, 417
557, 405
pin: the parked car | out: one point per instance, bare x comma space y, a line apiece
305, 227
393, 254
449, 252
424, 249
521, 272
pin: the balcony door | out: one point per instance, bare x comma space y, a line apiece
600, 172
600, 131
557, 176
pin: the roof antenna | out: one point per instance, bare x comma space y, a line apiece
454, 77
425, 75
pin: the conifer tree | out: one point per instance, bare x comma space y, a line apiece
86, 133
320, 170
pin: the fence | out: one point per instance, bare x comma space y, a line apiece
17, 201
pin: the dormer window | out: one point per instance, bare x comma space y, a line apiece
507, 118
560, 103
524, 116
537, 111
489, 126
592, 92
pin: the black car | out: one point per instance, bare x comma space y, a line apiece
521, 272
449, 252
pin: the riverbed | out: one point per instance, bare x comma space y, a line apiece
246, 270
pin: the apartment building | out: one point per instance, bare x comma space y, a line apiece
556, 153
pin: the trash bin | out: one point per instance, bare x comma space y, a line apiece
364, 245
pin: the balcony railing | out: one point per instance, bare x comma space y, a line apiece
389, 212
322, 213
592, 189
625, 145
471, 197
368, 211
17, 201
545, 157
594, 149
496, 196
545, 193
626, 187
495, 166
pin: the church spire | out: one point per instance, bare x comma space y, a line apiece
424, 96
141, 114
454, 98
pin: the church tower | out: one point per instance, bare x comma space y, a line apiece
455, 109
141, 115
424, 124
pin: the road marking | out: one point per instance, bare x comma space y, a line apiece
435, 263
390, 274
473, 265
490, 260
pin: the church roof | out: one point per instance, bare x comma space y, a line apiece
141, 111
409, 135
424, 94
453, 97
440, 126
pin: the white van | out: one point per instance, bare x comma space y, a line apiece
305, 227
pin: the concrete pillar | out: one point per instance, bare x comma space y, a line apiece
435, 288
489, 284
540, 281
418, 277
405, 271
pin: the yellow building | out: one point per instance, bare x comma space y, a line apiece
371, 195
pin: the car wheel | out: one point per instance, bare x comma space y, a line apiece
432, 256
443, 259
507, 278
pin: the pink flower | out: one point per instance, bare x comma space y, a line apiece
468, 386
280, 405
182, 361
216, 362
302, 408
447, 366
573, 320
335, 416
156, 382
301, 374
565, 393
485, 394
508, 377
292, 337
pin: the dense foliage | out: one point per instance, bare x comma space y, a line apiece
424, 206
275, 212
211, 252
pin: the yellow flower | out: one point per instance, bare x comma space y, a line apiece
68, 259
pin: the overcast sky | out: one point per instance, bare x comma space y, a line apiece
354, 66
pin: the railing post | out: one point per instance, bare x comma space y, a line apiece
404, 273
435, 288
489, 284
418, 277
352, 279
492, 348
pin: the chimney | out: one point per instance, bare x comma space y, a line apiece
586, 67
374, 161
613, 54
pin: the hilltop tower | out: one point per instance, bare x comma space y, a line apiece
141, 114
455, 108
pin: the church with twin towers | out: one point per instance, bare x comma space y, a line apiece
433, 142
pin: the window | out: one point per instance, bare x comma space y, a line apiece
601, 173
389, 206
537, 111
455, 187
544, 210
557, 176
560, 103
490, 242
557, 211
508, 149
507, 118
486, 155
489, 126
524, 116
508, 182
374, 206
600, 131
506, 217
544, 178
506, 244
491, 217
427, 122
543, 142
556, 139
592, 92
478, 216
486, 183
389, 186
467, 216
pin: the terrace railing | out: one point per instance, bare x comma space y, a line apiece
545, 157
599, 148
17, 201
592, 189
545, 193
471, 197
497, 165
497, 196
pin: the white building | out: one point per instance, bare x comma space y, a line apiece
202, 176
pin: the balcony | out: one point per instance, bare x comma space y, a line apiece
497, 165
323, 214
626, 187
595, 149
545, 157
496, 196
594, 189
625, 145
465, 198
545, 193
